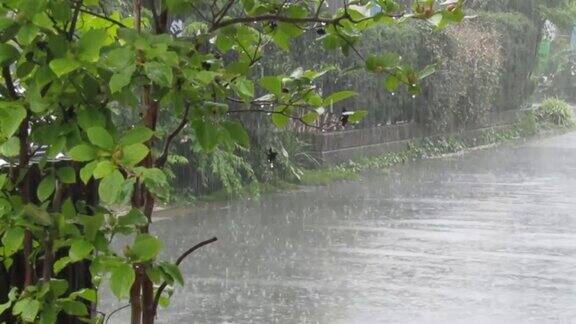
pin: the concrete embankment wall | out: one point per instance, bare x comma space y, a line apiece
338, 147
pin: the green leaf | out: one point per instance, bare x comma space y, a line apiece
90, 44
134, 217
377, 63
177, 6
86, 293
11, 116
280, 120
8, 54
272, 84
119, 80
3, 178
12, 240
58, 286
110, 187
205, 77
5, 306
244, 88
121, 280
357, 116
138, 134
73, 307
238, 133
38, 215
146, 247
82, 153
338, 96
63, 66
391, 83
87, 171
46, 187
159, 73
79, 250
427, 71
67, 175
11, 147
48, 314
120, 59
103, 169
310, 117
206, 135
154, 177
133, 154
90, 117
61, 264
27, 309
27, 33
100, 137
173, 271
91, 225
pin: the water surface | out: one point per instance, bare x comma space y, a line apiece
487, 237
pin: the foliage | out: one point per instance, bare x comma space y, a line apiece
71, 69
556, 111
479, 62
562, 15
557, 74
428, 148
230, 169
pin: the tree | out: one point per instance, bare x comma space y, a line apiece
70, 66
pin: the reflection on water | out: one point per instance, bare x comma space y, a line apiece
488, 237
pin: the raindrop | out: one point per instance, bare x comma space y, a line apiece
393, 94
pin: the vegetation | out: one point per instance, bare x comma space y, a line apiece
556, 111
479, 63
110, 86
557, 69
528, 125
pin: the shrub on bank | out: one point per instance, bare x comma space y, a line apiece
555, 111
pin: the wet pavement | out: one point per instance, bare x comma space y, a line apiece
485, 237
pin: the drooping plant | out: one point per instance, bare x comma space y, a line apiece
69, 66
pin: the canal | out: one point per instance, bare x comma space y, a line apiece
484, 237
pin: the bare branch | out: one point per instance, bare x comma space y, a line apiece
317, 14
223, 12
74, 20
162, 159
178, 261
116, 311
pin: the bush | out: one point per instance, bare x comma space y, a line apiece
555, 111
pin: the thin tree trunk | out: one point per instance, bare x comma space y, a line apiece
135, 298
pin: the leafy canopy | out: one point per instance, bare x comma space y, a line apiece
72, 68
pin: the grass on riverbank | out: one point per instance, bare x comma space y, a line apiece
426, 148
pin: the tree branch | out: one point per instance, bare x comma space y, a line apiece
95, 14
162, 159
9, 82
178, 261
292, 20
223, 12
116, 311
74, 20
154, 13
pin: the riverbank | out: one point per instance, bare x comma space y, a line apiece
525, 127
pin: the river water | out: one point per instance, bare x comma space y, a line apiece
485, 237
